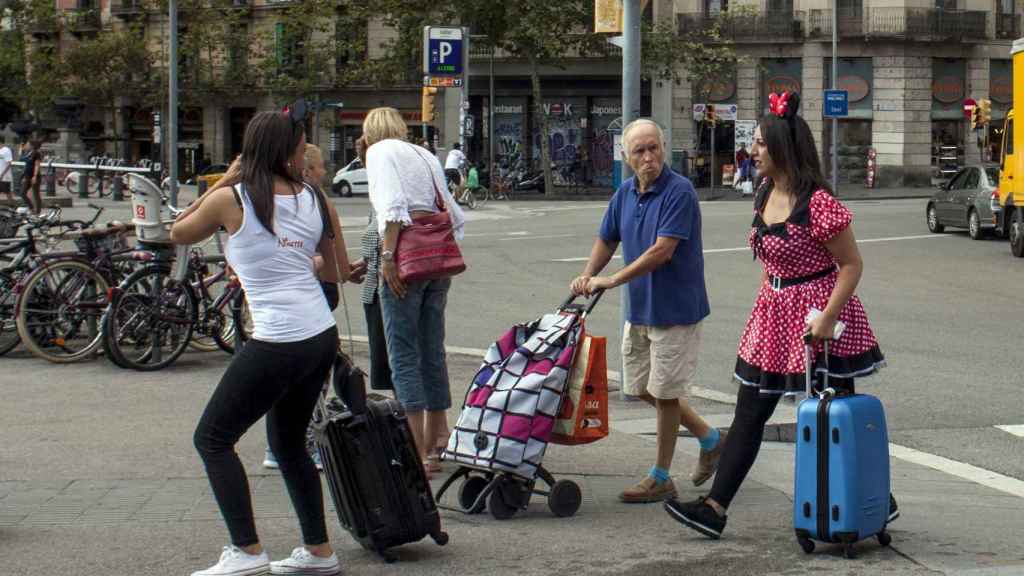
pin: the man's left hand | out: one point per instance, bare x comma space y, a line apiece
600, 283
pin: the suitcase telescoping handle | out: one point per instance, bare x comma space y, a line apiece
583, 310
809, 369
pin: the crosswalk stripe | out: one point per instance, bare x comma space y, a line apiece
1016, 430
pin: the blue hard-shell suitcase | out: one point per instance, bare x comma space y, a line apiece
842, 468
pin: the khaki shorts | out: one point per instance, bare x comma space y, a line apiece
660, 361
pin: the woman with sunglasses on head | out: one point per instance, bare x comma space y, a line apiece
276, 225
810, 261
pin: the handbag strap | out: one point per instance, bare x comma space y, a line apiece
430, 171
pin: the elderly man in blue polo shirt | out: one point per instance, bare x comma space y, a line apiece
656, 219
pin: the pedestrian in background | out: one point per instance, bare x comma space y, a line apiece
6, 176
380, 372
810, 261
276, 225
656, 218
405, 181
30, 175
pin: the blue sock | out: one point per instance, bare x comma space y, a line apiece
709, 442
660, 475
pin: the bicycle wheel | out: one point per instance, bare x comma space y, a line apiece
9, 337
238, 318
151, 319
481, 195
212, 322
59, 310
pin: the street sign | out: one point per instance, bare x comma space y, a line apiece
442, 82
837, 103
442, 55
722, 111
969, 105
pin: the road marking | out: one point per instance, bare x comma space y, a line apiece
1016, 430
974, 474
544, 237
747, 248
484, 234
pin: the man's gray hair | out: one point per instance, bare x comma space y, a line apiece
636, 124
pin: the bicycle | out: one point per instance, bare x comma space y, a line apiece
155, 311
461, 193
60, 303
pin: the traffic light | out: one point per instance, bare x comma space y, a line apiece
984, 110
709, 113
429, 93
976, 118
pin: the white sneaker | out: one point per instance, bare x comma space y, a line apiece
235, 562
303, 561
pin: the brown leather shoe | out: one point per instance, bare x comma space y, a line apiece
707, 464
647, 490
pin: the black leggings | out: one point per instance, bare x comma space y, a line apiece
753, 410
283, 381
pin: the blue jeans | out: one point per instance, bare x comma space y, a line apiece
414, 329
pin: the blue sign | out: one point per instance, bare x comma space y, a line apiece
837, 104
445, 57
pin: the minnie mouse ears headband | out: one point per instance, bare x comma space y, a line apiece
784, 105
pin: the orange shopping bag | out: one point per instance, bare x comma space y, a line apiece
584, 415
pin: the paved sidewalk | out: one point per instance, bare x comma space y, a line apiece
106, 482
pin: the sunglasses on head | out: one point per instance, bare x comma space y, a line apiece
296, 111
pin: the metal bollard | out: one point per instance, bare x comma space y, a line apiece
118, 188
83, 184
51, 183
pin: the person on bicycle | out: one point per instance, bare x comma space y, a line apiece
276, 225
453, 165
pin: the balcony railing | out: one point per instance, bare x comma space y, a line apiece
479, 50
934, 24
781, 25
1007, 26
126, 8
83, 20
851, 23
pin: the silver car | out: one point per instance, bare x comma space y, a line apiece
966, 201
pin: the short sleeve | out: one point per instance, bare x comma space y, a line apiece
828, 216
676, 217
610, 231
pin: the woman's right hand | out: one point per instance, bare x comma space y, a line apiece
389, 270
579, 285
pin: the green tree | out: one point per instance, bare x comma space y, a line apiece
28, 56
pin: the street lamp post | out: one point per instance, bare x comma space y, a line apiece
835, 80
172, 104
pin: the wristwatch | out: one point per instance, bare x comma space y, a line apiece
387, 255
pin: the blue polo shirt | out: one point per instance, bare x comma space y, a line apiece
674, 293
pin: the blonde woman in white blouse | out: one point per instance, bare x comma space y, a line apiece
404, 180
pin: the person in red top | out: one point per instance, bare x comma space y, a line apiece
804, 239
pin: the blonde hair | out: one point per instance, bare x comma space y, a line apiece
312, 154
382, 124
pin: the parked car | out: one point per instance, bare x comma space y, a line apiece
350, 180
969, 200
211, 174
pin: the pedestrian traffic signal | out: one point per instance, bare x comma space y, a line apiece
709, 113
984, 111
429, 93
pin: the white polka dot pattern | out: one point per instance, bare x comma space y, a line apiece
772, 340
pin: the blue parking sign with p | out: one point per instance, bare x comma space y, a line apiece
445, 57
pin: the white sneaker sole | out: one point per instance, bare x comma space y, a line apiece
258, 571
270, 464
306, 570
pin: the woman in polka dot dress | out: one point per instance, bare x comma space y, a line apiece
803, 237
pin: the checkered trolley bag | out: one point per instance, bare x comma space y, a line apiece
508, 415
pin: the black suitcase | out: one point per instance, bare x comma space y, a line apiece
376, 476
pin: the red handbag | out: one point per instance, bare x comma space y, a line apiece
426, 249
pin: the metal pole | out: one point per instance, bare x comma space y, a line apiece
713, 166
835, 79
490, 126
464, 105
172, 104
630, 111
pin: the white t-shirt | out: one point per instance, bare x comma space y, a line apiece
6, 157
455, 160
402, 178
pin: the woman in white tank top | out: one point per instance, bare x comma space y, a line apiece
276, 225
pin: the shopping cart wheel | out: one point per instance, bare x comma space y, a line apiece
565, 498
497, 504
469, 491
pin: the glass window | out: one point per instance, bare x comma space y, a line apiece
958, 181
1009, 137
972, 180
993, 175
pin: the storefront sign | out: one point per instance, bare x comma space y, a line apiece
780, 84
558, 109
722, 90
744, 136
508, 108
1001, 89
948, 89
606, 110
856, 87
608, 16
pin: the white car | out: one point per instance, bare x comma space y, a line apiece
350, 180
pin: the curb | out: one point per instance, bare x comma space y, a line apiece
62, 201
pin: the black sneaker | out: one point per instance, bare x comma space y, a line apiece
894, 511
698, 515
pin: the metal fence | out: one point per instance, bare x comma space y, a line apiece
779, 25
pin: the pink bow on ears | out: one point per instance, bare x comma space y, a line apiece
778, 104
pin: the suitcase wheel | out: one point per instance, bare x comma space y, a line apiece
497, 502
884, 538
565, 498
469, 491
806, 543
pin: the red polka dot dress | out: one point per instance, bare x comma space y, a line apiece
771, 353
